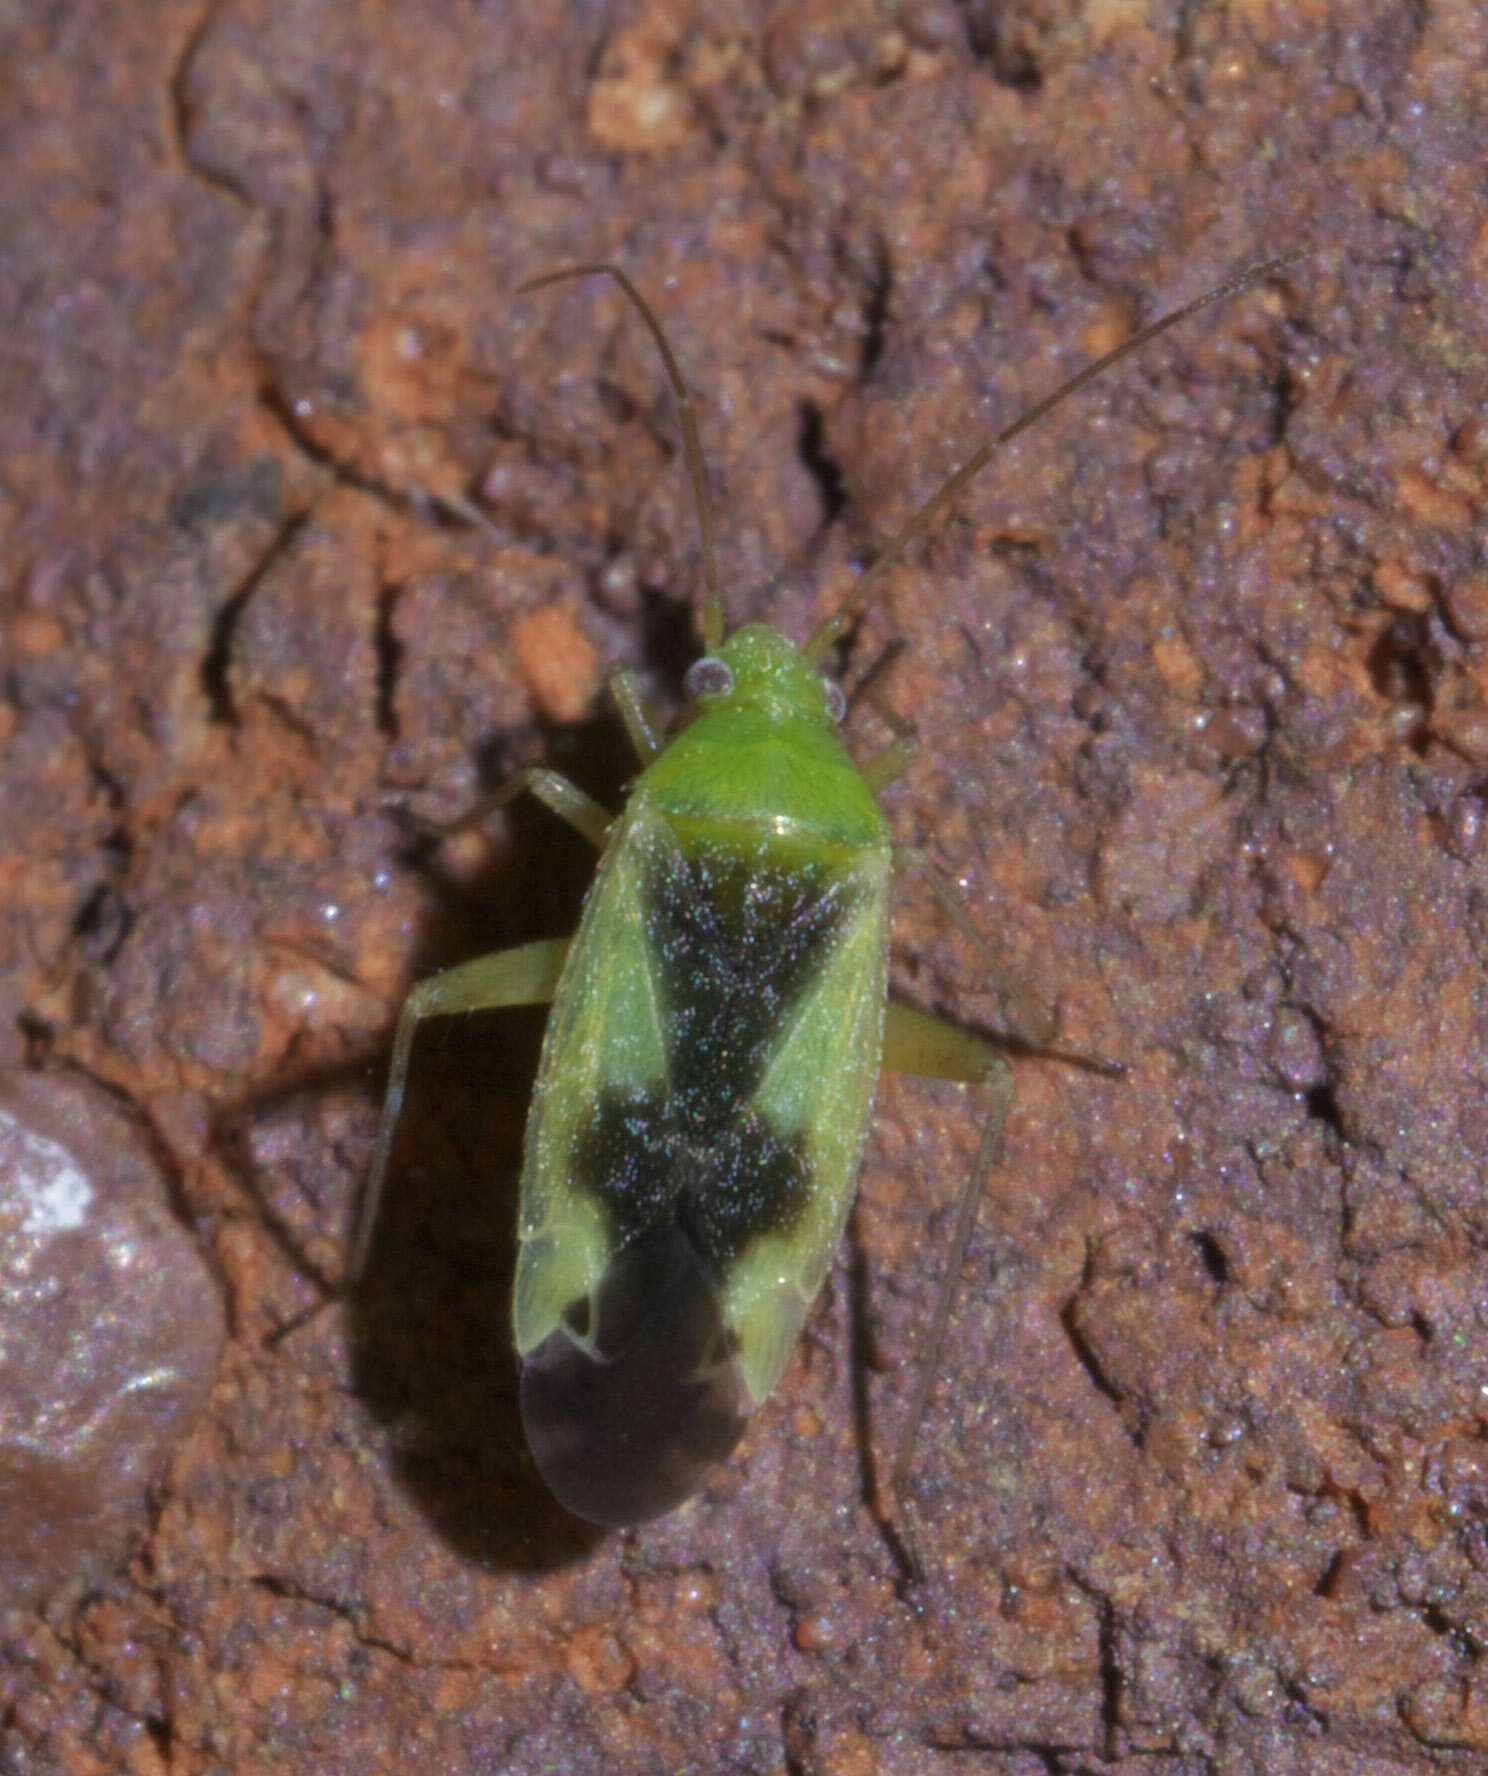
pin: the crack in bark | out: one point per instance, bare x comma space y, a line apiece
217, 662
181, 110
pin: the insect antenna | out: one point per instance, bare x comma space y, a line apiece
919, 522
713, 613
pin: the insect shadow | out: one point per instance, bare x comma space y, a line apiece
430, 1318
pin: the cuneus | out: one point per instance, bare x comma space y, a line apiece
717, 1028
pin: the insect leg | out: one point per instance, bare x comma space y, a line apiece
587, 817
590, 819
873, 692
916, 1043
884, 767
645, 734
526, 975
1033, 1024
930, 1048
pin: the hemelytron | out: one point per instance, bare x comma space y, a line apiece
718, 1024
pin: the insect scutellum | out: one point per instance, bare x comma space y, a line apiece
718, 1023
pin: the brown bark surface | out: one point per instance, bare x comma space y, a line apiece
1200, 672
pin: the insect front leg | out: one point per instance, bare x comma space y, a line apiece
641, 727
933, 1049
589, 818
527, 975
888, 766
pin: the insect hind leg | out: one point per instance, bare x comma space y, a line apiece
526, 975
1032, 1023
1032, 1028
933, 1049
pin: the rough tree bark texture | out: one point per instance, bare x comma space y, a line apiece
1201, 676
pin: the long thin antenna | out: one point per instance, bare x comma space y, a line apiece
858, 599
713, 614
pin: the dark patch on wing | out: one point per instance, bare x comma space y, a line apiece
724, 1181
735, 943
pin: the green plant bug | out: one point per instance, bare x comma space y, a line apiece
717, 1028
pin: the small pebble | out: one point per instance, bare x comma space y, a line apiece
560, 665
1467, 607
1297, 1051
110, 1330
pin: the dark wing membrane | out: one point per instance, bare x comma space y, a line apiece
627, 1422
692, 1149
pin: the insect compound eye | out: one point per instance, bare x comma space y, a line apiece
835, 699
708, 678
